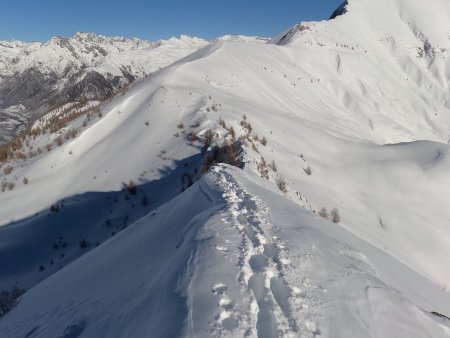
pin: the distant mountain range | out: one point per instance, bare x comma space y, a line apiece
38, 76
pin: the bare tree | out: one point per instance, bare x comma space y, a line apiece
323, 212
281, 184
335, 217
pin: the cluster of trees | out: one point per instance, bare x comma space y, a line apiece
9, 299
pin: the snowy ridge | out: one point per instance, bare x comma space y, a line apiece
349, 115
261, 264
247, 274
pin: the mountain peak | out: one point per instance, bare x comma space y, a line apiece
85, 36
407, 22
342, 9
98, 38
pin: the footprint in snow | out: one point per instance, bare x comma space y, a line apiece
226, 318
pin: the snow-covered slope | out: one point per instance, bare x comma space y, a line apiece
220, 261
350, 113
37, 76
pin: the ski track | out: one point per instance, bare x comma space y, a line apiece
274, 307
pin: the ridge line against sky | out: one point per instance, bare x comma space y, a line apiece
30, 20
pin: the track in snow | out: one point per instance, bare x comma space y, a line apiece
261, 262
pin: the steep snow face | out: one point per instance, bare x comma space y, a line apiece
377, 53
84, 67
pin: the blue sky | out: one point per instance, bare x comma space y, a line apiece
32, 20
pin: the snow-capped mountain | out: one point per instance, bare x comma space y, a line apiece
35, 77
291, 188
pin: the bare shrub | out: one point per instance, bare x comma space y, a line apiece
7, 170
232, 133
335, 217
49, 146
323, 213
246, 125
25, 180
84, 244
35, 132
263, 141
228, 153
20, 155
308, 170
281, 184
208, 139
71, 133
222, 123
192, 137
59, 141
232, 152
263, 169
180, 125
8, 150
130, 187
4, 153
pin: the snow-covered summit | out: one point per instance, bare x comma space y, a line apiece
83, 49
405, 21
98, 38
